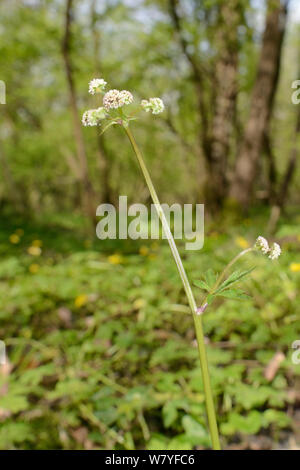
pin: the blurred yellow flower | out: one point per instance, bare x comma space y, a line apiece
144, 250
242, 242
33, 268
14, 238
80, 300
295, 267
115, 259
38, 243
34, 251
139, 303
20, 232
152, 256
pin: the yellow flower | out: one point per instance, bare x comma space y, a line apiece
81, 300
34, 251
138, 304
152, 256
20, 232
242, 242
295, 267
14, 238
33, 268
115, 259
37, 243
144, 250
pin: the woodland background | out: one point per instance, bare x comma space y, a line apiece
101, 349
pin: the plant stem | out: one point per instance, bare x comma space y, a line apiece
212, 423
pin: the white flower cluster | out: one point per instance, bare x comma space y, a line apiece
155, 105
92, 117
114, 99
275, 251
97, 85
262, 244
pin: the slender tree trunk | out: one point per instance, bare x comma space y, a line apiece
216, 105
272, 172
226, 73
104, 166
291, 166
261, 103
198, 75
87, 195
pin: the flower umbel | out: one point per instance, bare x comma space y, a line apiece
262, 244
114, 99
92, 117
97, 85
275, 251
155, 105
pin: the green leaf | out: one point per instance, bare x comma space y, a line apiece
195, 431
210, 278
233, 294
249, 424
169, 413
202, 285
234, 277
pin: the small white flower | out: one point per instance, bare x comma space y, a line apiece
114, 99
262, 244
97, 85
275, 251
92, 117
155, 105
125, 97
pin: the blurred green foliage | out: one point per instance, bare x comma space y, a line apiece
101, 347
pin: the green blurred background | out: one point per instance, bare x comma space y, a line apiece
101, 349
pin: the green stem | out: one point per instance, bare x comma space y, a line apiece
212, 423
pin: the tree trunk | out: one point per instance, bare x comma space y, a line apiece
291, 166
226, 85
261, 103
87, 195
104, 166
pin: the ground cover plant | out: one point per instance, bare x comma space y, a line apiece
101, 357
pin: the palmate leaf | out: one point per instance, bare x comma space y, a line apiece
209, 281
233, 278
202, 285
210, 278
224, 290
233, 294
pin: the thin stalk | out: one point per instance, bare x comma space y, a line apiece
212, 422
